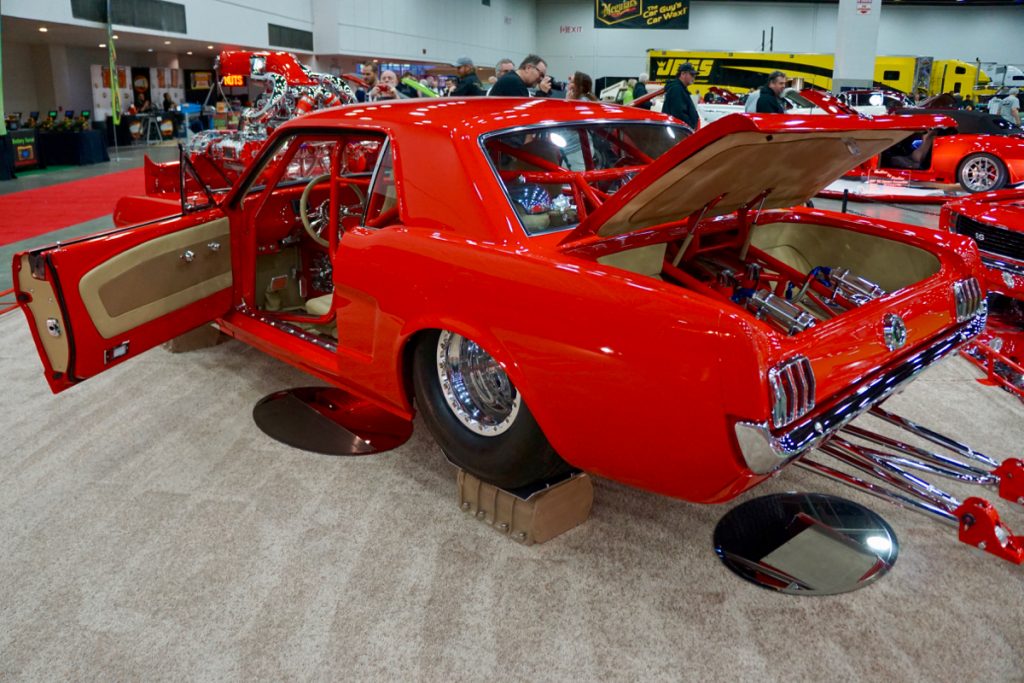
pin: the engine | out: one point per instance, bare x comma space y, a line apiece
789, 304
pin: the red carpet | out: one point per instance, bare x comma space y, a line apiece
36, 212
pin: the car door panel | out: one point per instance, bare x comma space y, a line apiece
152, 279
96, 301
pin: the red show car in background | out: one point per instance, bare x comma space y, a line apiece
551, 284
995, 220
981, 152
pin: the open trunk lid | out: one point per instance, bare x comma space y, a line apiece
742, 161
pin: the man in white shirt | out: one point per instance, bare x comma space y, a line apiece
995, 103
1010, 108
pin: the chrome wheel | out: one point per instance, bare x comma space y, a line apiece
475, 387
980, 174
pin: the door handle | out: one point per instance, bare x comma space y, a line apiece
188, 256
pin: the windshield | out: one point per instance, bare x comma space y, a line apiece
554, 176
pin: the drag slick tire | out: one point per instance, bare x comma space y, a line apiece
477, 416
981, 173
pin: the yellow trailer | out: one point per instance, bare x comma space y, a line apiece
742, 71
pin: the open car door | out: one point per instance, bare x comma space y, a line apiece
95, 301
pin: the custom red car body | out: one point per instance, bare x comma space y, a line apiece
289, 90
649, 305
995, 220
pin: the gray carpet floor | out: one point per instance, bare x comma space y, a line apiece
149, 531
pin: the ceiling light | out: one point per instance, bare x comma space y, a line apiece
167, 42
189, 52
209, 47
149, 50
103, 44
43, 29
115, 36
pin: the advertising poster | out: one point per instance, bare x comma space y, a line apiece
201, 80
673, 14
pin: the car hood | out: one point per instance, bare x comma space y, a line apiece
827, 102
1001, 207
741, 161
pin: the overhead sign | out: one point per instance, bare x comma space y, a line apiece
642, 14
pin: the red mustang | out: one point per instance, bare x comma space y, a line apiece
552, 283
995, 220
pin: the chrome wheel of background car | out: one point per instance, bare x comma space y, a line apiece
982, 173
329, 420
806, 543
477, 416
475, 386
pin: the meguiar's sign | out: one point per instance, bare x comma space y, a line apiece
642, 14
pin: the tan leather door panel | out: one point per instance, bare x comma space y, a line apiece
158, 277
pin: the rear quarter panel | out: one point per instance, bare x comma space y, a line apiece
623, 372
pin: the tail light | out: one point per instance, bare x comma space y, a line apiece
792, 386
968, 297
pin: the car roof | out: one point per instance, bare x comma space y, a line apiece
968, 122
471, 115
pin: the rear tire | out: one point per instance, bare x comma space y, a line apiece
477, 416
982, 173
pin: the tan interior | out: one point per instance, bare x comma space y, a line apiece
269, 269
320, 305
143, 283
44, 306
889, 263
794, 166
643, 260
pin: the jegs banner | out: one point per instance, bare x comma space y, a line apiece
642, 14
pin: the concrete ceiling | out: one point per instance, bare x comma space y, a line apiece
27, 31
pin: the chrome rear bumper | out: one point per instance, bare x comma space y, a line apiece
756, 440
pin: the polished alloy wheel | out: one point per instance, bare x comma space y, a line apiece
980, 174
475, 386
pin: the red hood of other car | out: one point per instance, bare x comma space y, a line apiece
738, 160
1002, 207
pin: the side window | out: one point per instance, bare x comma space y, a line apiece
382, 208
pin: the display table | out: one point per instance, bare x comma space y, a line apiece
72, 149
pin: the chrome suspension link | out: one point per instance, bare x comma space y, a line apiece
933, 436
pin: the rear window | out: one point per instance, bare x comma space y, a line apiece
554, 176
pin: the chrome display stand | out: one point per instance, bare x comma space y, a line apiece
329, 420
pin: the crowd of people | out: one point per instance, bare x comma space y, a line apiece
531, 78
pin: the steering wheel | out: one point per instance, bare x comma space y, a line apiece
316, 221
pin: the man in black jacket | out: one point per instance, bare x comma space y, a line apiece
640, 90
678, 101
532, 72
468, 84
769, 99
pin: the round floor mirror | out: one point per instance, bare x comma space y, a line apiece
330, 421
806, 543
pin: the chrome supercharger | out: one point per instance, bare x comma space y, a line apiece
898, 470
